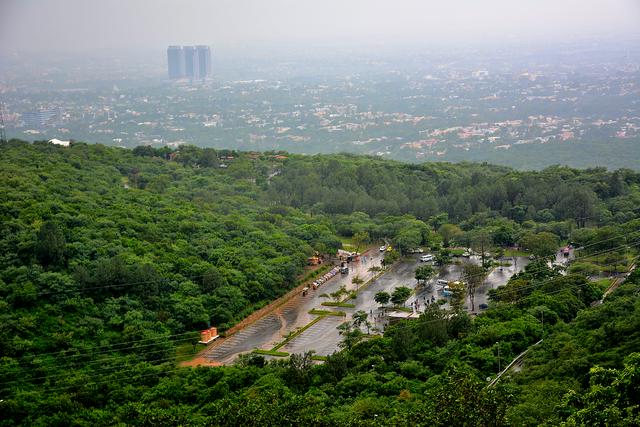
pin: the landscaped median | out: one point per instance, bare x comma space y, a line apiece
271, 353
319, 312
293, 334
338, 304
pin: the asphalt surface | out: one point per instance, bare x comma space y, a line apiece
325, 342
272, 328
323, 337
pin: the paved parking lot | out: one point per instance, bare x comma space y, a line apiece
323, 337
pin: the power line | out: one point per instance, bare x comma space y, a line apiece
109, 345
131, 363
106, 348
536, 285
160, 280
533, 285
175, 369
122, 346
92, 383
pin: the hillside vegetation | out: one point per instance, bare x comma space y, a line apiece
110, 259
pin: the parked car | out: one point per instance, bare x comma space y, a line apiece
383, 248
483, 306
426, 258
344, 268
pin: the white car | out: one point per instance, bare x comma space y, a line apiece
383, 248
426, 258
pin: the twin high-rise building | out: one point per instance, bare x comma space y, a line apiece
189, 62
175, 57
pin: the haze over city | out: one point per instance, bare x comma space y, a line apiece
80, 25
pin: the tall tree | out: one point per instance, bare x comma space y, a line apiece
360, 318
382, 298
541, 245
458, 291
448, 232
474, 276
400, 295
423, 273
50, 245
359, 239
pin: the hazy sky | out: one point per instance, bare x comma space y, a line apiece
80, 24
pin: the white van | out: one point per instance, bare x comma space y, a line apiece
442, 282
426, 258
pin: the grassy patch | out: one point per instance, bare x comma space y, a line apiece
271, 353
186, 351
456, 252
347, 243
514, 252
321, 358
603, 284
338, 304
586, 268
319, 312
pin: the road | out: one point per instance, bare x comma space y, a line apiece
271, 329
323, 337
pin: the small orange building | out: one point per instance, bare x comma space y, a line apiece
314, 260
208, 335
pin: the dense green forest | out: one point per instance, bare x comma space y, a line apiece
111, 258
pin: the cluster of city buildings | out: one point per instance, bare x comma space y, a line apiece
409, 115
189, 62
42, 117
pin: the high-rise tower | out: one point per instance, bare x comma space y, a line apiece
176, 62
192, 62
191, 65
204, 61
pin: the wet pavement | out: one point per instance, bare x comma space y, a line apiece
272, 328
325, 342
323, 337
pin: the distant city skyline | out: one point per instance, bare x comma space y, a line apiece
191, 62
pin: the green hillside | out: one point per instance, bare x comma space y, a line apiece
111, 259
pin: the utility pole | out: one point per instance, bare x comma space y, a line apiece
3, 133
